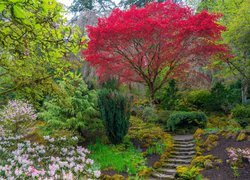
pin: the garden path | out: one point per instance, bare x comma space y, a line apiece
181, 154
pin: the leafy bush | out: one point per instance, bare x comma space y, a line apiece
149, 114
188, 172
219, 98
200, 99
199, 161
222, 122
224, 98
148, 134
17, 112
157, 148
163, 116
181, 119
117, 158
242, 114
74, 107
115, 113
138, 106
241, 111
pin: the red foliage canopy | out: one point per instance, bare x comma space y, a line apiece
153, 43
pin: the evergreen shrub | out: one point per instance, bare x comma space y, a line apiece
115, 113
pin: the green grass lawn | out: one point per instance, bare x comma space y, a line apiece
117, 158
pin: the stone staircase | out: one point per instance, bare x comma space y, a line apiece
181, 154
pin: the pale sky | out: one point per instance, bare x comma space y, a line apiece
66, 2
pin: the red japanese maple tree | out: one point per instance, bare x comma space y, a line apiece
152, 44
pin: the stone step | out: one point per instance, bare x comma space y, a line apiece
183, 137
181, 156
162, 176
183, 149
173, 165
184, 145
167, 171
183, 153
178, 161
182, 141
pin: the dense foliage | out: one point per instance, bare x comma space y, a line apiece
35, 44
115, 113
168, 95
161, 61
236, 18
186, 120
148, 134
152, 44
74, 107
220, 98
100, 6
242, 114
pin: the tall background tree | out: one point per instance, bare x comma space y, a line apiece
150, 45
236, 17
35, 45
140, 3
100, 6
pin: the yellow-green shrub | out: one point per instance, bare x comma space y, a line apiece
198, 133
150, 135
210, 142
188, 172
200, 160
147, 133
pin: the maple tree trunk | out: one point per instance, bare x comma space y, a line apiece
151, 92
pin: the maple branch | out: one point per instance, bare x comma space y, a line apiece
137, 68
31, 84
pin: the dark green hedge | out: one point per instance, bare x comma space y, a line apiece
182, 119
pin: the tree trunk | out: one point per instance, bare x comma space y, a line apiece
244, 92
151, 92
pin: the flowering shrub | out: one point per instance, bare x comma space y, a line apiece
237, 155
25, 160
16, 112
236, 158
